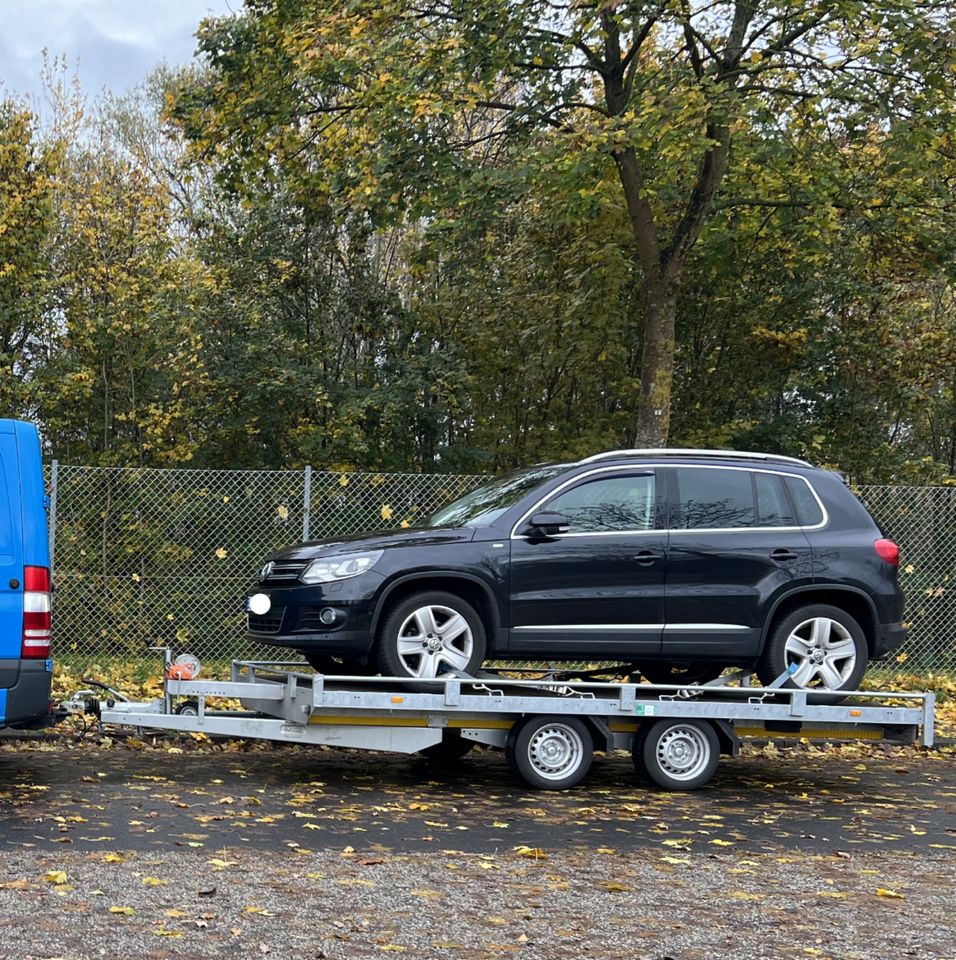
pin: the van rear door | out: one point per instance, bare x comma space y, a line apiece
11, 561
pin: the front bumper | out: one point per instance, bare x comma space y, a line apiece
27, 702
889, 637
293, 619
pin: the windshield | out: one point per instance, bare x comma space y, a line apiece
483, 506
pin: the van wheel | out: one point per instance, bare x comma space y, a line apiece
429, 634
826, 646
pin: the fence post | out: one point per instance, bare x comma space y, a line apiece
307, 503
54, 485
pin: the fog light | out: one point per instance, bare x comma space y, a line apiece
328, 616
260, 603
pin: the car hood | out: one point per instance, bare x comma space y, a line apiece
382, 540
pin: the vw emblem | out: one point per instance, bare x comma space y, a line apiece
266, 572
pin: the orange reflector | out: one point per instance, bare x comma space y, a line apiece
398, 699
856, 713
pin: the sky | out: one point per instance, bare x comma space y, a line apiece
113, 43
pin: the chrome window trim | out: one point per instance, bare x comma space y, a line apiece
636, 468
635, 627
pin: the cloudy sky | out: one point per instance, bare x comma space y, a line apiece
115, 42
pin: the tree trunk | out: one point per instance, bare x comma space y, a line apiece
657, 364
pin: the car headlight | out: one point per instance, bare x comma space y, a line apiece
327, 569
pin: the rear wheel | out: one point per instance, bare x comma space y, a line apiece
824, 645
550, 753
429, 634
672, 672
676, 754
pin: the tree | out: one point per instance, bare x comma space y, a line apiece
27, 223
422, 108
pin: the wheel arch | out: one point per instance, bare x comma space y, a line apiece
467, 586
857, 603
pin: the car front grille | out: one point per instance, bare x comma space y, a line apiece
266, 623
285, 571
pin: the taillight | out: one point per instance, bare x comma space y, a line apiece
36, 613
888, 551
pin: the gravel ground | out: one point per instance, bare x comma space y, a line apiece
445, 904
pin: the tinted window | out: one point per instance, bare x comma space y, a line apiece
713, 498
773, 507
805, 503
608, 504
6, 521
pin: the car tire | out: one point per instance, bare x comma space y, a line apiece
670, 672
550, 753
429, 634
828, 646
676, 754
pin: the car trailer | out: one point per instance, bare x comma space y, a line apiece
549, 728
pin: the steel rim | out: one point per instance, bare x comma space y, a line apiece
556, 751
683, 752
434, 639
823, 651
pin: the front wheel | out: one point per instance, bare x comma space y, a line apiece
826, 647
676, 754
550, 753
429, 634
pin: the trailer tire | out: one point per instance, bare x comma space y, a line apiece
450, 749
187, 708
550, 753
676, 754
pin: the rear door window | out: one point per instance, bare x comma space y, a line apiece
712, 498
773, 506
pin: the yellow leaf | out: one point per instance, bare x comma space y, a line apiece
56, 876
252, 908
722, 843
222, 553
678, 843
605, 850
283, 511
175, 914
889, 894
386, 512
126, 911
163, 932
343, 480
392, 947
222, 864
404, 524
674, 860
154, 882
617, 887
533, 853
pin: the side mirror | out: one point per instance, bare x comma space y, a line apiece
548, 523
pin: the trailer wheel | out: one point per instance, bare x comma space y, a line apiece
452, 746
550, 753
676, 754
187, 708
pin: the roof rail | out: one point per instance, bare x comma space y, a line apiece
689, 452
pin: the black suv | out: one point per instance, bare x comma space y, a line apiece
680, 562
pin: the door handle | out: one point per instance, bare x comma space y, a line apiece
782, 554
646, 557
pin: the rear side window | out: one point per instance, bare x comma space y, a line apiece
773, 507
809, 513
714, 499
610, 504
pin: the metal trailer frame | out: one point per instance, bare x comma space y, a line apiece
282, 702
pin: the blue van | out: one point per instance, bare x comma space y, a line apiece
25, 664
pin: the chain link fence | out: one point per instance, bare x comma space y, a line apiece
150, 556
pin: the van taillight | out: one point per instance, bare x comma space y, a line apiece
888, 551
36, 613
